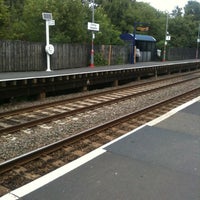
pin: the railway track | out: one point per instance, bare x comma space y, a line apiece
19, 171
16, 120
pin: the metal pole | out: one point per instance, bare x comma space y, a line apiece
133, 50
165, 44
47, 43
92, 47
198, 40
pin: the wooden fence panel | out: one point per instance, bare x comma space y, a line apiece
69, 56
181, 53
21, 56
29, 56
18, 56
113, 54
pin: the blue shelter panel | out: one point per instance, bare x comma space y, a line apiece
145, 43
138, 37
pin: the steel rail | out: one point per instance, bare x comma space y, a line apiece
46, 105
57, 116
10, 164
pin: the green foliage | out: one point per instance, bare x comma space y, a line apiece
70, 19
120, 13
22, 20
99, 60
192, 9
4, 19
108, 33
119, 60
182, 34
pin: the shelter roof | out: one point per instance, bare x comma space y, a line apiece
138, 37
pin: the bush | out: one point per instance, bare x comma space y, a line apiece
99, 60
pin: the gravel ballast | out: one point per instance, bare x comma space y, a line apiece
27, 140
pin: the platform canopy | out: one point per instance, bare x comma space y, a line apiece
138, 37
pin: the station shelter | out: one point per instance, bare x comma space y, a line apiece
145, 46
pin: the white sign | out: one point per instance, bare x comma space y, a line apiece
168, 37
51, 22
93, 26
49, 49
47, 16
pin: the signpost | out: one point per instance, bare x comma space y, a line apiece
49, 48
138, 26
198, 41
93, 27
167, 38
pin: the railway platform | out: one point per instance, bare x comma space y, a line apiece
19, 76
159, 160
40, 84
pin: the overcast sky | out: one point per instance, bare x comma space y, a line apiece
166, 5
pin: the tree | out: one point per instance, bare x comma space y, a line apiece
108, 33
68, 15
177, 12
4, 19
33, 26
22, 20
71, 23
183, 28
192, 9
119, 13
15, 25
182, 31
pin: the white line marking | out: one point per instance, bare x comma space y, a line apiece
34, 185
172, 112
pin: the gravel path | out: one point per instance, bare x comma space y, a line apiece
30, 139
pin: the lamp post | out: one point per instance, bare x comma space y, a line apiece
49, 48
92, 45
198, 40
93, 27
166, 35
133, 49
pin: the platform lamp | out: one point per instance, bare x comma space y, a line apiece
167, 38
198, 40
49, 48
92, 27
93, 37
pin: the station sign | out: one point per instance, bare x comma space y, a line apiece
93, 26
142, 28
51, 22
168, 37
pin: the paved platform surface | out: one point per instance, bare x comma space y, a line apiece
158, 161
9, 76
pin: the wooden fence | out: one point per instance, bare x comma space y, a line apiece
18, 56
181, 53
21, 56
28, 56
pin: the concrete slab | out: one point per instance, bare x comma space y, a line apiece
193, 109
173, 150
186, 121
182, 123
116, 177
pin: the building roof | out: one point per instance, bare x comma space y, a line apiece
138, 37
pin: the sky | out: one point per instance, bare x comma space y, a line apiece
166, 5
